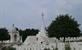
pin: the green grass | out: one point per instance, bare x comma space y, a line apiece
49, 49
8, 48
46, 49
67, 47
56, 48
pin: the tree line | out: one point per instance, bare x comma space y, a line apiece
61, 26
27, 32
4, 34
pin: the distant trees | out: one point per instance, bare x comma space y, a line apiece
64, 26
4, 34
27, 32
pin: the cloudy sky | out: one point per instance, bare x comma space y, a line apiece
27, 13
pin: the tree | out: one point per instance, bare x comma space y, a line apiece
27, 32
64, 26
4, 34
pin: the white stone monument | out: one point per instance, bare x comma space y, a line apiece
14, 35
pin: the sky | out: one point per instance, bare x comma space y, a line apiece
27, 13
